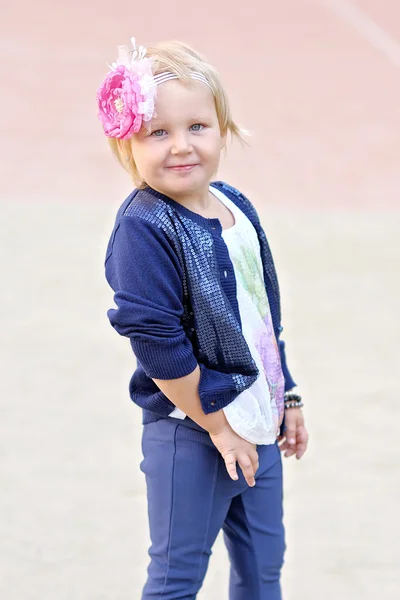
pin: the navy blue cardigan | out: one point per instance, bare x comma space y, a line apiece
175, 292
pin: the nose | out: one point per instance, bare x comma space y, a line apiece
181, 144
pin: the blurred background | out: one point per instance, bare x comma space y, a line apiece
317, 82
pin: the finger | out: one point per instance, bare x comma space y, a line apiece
302, 443
300, 452
247, 469
284, 443
289, 452
291, 436
302, 435
254, 461
230, 463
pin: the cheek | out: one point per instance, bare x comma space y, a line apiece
155, 155
212, 151
147, 160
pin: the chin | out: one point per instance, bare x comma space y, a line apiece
188, 184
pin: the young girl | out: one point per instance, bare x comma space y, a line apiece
197, 294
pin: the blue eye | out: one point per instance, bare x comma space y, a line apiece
158, 132
197, 127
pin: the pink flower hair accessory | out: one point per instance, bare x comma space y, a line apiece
126, 97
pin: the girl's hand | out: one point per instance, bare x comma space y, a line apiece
234, 449
295, 437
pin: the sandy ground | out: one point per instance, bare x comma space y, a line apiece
317, 82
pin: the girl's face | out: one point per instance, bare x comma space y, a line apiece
179, 154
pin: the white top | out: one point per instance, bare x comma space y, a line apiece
256, 413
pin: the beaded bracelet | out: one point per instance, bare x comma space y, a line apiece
293, 404
293, 400
292, 396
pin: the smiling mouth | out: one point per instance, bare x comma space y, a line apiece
182, 167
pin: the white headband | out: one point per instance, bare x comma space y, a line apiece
163, 77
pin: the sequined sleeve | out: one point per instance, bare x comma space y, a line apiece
145, 274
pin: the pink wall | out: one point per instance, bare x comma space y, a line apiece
322, 100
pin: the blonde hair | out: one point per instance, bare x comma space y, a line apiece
181, 60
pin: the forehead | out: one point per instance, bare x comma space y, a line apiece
179, 100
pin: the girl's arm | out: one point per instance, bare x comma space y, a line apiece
183, 393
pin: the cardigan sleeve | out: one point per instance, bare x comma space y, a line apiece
145, 273
289, 382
